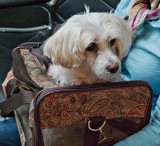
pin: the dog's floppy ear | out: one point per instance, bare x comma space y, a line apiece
64, 47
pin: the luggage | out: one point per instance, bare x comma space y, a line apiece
87, 115
84, 115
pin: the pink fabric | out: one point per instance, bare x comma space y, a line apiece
4, 84
141, 10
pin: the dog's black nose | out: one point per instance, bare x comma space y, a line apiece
113, 68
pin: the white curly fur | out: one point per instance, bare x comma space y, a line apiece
67, 48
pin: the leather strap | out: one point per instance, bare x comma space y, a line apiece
91, 138
16, 98
29, 142
107, 142
29, 45
15, 101
33, 46
12, 88
39, 54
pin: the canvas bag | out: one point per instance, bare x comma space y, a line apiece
100, 114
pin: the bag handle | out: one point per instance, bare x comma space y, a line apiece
29, 45
45, 60
16, 98
33, 50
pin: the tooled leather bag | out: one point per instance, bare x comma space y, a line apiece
85, 115
100, 114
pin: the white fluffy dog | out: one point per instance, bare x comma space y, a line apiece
88, 48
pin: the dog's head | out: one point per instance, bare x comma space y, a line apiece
97, 41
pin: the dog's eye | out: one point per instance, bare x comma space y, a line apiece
112, 42
91, 47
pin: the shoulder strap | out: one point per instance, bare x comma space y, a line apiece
29, 45
17, 98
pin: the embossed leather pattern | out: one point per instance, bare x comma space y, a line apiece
124, 106
68, 108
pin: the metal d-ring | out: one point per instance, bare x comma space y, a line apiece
98, 129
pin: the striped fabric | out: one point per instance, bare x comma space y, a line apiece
141, 10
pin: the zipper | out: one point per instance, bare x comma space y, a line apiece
45, 92
97, 85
